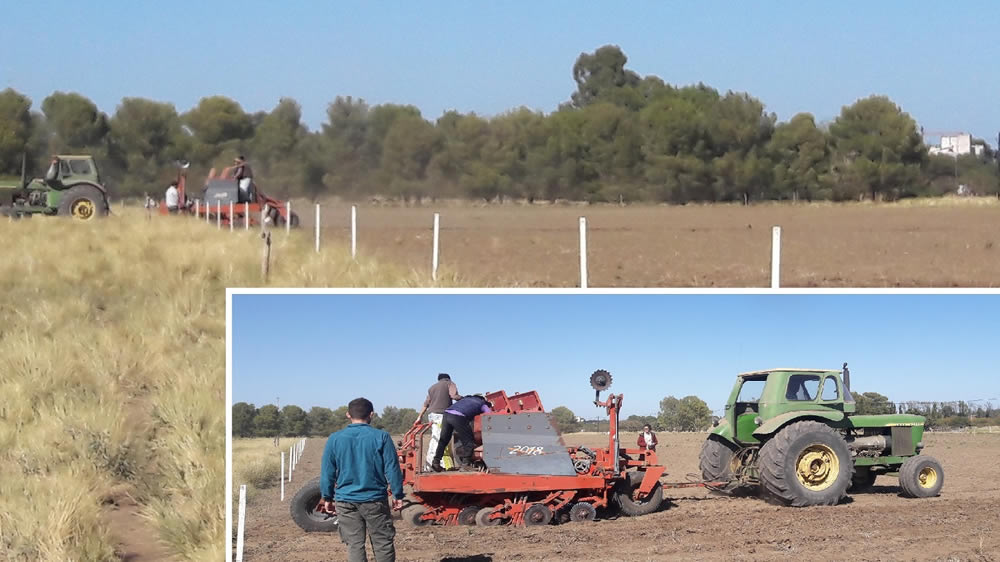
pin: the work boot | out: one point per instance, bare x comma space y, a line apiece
436, 466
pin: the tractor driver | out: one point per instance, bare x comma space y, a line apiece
458, 421
52, 175
243, 174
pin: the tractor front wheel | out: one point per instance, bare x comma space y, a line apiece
304, 512
921, 477
83, 202
806, 463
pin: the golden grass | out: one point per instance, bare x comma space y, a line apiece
112, 374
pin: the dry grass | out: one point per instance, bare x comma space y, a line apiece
112, 375
944, 242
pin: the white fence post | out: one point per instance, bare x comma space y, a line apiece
354, 232
288, 217
197, 209
289, 466
218, 216
775, 257
208, 212
246, 216
434, 252
282, 476
241, 523
291, 451
317, 228
583, 252
230, 216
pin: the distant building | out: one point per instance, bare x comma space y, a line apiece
957, 144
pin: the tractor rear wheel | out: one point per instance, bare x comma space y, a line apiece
806, 463
412, 515
303, 508
633, 507
83, 202
921, 477
537, 514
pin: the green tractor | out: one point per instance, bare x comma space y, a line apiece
793, 435
71, 188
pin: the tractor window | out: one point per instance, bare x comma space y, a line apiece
830, 389
81, 167
751, 390
64, 168
802, 387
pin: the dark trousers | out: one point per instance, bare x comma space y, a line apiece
461, 427
355, 520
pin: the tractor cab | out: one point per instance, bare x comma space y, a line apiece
759, 397
73, 169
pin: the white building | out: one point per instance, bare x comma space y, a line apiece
957, 144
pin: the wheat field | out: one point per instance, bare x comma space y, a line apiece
112, 376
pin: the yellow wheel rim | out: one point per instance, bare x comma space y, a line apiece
927, 477
817, 467
83, 209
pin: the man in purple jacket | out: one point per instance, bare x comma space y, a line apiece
458, 421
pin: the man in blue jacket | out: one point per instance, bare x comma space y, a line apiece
359, 464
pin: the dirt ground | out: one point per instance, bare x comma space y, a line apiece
931, 244
961, 524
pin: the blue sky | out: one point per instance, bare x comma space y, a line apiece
324, 350
936, 59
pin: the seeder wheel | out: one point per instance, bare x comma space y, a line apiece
582, 511
468, 515
483, 518
537, 514
411, 514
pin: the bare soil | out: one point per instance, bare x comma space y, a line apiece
963, 523
824, 245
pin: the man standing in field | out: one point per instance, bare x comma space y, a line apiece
439, 398
359, 463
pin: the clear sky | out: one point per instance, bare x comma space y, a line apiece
936, 59
324, 350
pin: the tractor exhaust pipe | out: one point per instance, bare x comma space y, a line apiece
24, 171
847, 377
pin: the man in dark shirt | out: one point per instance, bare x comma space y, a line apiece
359, 463
458, 421
439, 398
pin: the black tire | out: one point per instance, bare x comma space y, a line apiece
921, 477
411, 514
537, 514
303, 509
780, 482
582, 511
715, 458
863, 480
83, 202
467, 516
631, 507
483, 520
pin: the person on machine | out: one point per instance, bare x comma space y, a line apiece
172, 198
458, 422
243, 175
52, 175
440, 397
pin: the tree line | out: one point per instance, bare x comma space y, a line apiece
293, 421
953, 414
620, 137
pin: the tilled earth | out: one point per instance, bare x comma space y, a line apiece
961, 524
